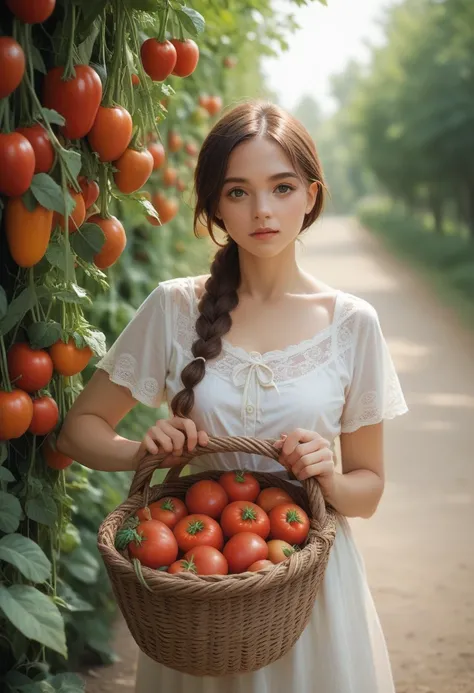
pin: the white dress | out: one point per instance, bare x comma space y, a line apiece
338, 380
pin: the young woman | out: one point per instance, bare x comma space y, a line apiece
261, 348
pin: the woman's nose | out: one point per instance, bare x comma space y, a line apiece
262, 207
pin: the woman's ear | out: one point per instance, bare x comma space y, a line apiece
312, 194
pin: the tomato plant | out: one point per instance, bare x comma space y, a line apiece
158, 58
154, 544
206, 497
17, 164
269, 497
244, 516
198, 530
279, 550
45, 416
115, 240
28, 233
68, 359
243, 549
187, 57
77, 98
168, 510
32, 11
289, 522
29, 369
134, 168
42, 147
240, 485
111, 132
12, 60
16, 412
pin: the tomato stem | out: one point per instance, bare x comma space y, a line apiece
104, 191
164, 22
4, 366
69, 70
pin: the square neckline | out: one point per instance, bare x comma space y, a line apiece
276, 353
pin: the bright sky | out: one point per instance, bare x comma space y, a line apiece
329, 37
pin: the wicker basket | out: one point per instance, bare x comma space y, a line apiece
223, 624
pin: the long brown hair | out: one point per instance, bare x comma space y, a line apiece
220, 298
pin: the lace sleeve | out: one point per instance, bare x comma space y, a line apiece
139, 357
374, 392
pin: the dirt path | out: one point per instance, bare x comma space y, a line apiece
419, 547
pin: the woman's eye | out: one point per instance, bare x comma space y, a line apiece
284, 188
236, 192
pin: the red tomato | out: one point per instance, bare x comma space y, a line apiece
169, 510
167, 209
158, 546
187, 52
77, 99
206, 497
244, 516
32, 11
170, 176
270, 497
207, 560
42, 147
55, 459
45, 416
289, 522
90, 191
134, 169
198, 530
181, 185
243, 549
17, 164
191, 148
135, 80
111, 133
279, 550
68, 359
158, 59
204, 100
12, 60
157, 151
16, 412
260, 565
115, 240
77, 216
230, 62
175, 141
29, 369
214, 105
240, 485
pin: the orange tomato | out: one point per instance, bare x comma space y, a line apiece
167, 209
157, 151
170, 176
214, 105
55, 459
175, 141
115, 240
68, 359
111, 132
28, 233
77, 216
16, 412
134, 169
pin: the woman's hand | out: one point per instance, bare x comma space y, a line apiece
170, 435
308, 454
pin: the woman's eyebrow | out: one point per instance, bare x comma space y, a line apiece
276, 176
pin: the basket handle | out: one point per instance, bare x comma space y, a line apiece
146, 467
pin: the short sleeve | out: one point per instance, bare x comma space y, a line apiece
139, 357
374, 392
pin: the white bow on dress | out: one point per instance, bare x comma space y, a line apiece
242, 377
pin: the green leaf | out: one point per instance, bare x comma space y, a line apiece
192, 21
83, 565
3, 303
3, 452
34, 615
42, 509
10, 512
49, 194
37, 60
6, 475
73, 601
43, 334
96, 341
25, 555
73, 161
71, 297
67, 683
17, 309
56, 256
29, 200
52, 117
87, 241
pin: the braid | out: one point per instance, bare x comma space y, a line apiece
218, 300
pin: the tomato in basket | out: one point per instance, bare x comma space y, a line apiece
245, 516
279, 550
168, 510
154, 544
202, 560
243, 549
240, 485
269, 497
289, 522
198, 530
260, 565
206, 497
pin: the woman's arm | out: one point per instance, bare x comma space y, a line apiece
88, 433
358, 490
